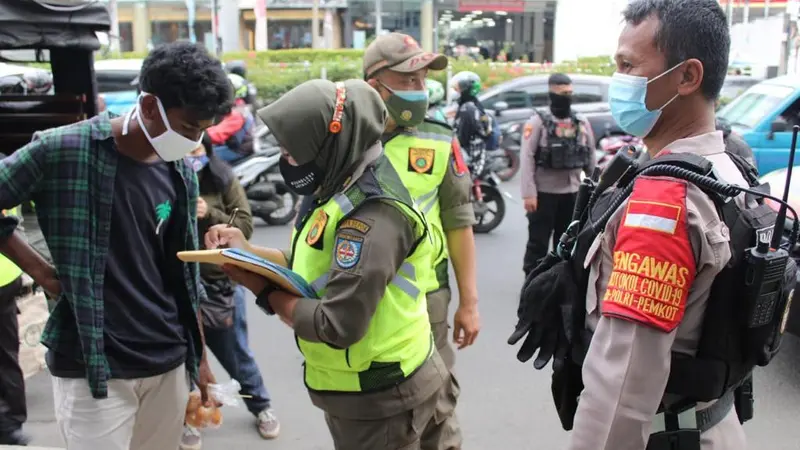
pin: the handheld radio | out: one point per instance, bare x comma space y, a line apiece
765, 270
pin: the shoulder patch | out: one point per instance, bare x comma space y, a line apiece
459, 165
654, 265
527, 131
354, 224
314, 236
420, 160
348, 250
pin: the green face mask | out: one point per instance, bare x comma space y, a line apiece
407, 108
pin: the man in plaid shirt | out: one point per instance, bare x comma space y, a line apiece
116, 201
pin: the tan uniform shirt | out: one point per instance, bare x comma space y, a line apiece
551, 181
341, 318
628, 362
454, 199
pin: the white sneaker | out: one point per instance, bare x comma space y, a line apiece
191, 439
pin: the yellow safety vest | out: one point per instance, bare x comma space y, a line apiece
8, 270
398, 340
421, 158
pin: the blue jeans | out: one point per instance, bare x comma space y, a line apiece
226, 154
232, 350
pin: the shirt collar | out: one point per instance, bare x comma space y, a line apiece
101, 125
704, 144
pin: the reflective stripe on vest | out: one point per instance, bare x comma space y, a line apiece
8, 270
398, 339
424, 187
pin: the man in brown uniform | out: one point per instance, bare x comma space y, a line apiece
396, 66
370, 362
671, 62
428, 159
549, 192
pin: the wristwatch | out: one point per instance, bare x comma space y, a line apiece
262, 299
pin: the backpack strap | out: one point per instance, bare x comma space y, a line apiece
747, 170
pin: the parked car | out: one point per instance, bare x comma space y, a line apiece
116, 83
515, 100
764, 115
735, 85
777, 183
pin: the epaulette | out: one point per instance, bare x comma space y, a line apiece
437, 122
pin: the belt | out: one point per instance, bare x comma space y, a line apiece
696, 420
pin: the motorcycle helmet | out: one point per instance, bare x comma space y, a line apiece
466, 82
435, 91
240, 89
237, 68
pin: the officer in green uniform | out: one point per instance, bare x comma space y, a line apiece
13, 410
428, 159
370, 361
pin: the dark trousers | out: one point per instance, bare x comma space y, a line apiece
553, 215
230, 346
13, 409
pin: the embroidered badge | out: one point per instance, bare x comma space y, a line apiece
348, 250
354, 224
527, 131
420, 160
317, 230
459, 165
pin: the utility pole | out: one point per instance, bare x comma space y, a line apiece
426, 21
215, 26
262, 39
729, 11
378, 18
315, 24
766, 8
113, 39
746, 14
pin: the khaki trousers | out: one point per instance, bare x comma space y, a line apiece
429, 426
139, 414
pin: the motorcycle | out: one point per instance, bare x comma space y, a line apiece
610, 144
269, 197
486, 195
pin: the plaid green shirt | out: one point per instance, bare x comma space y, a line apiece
70, 176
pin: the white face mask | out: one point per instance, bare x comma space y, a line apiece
170, 145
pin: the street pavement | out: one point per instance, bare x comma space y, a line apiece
504, 404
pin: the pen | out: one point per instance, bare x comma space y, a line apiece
233, 217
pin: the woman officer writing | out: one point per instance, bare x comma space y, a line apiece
369, 359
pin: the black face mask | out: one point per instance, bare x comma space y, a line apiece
560, 104
303, 180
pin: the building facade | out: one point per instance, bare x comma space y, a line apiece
521, 28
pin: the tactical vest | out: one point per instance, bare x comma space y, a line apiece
728, 349
398, 340
8, 270
561, 152
421, 159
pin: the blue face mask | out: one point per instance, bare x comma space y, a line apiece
626, 96
197, 162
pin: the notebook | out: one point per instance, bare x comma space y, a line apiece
281, 276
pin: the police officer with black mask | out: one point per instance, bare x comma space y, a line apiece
557, 146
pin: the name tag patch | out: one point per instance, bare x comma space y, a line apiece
354, 224
348, 250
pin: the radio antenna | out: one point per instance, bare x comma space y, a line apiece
780, 222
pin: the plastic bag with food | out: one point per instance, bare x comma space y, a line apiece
201, 416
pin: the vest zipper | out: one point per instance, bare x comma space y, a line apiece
347, 356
